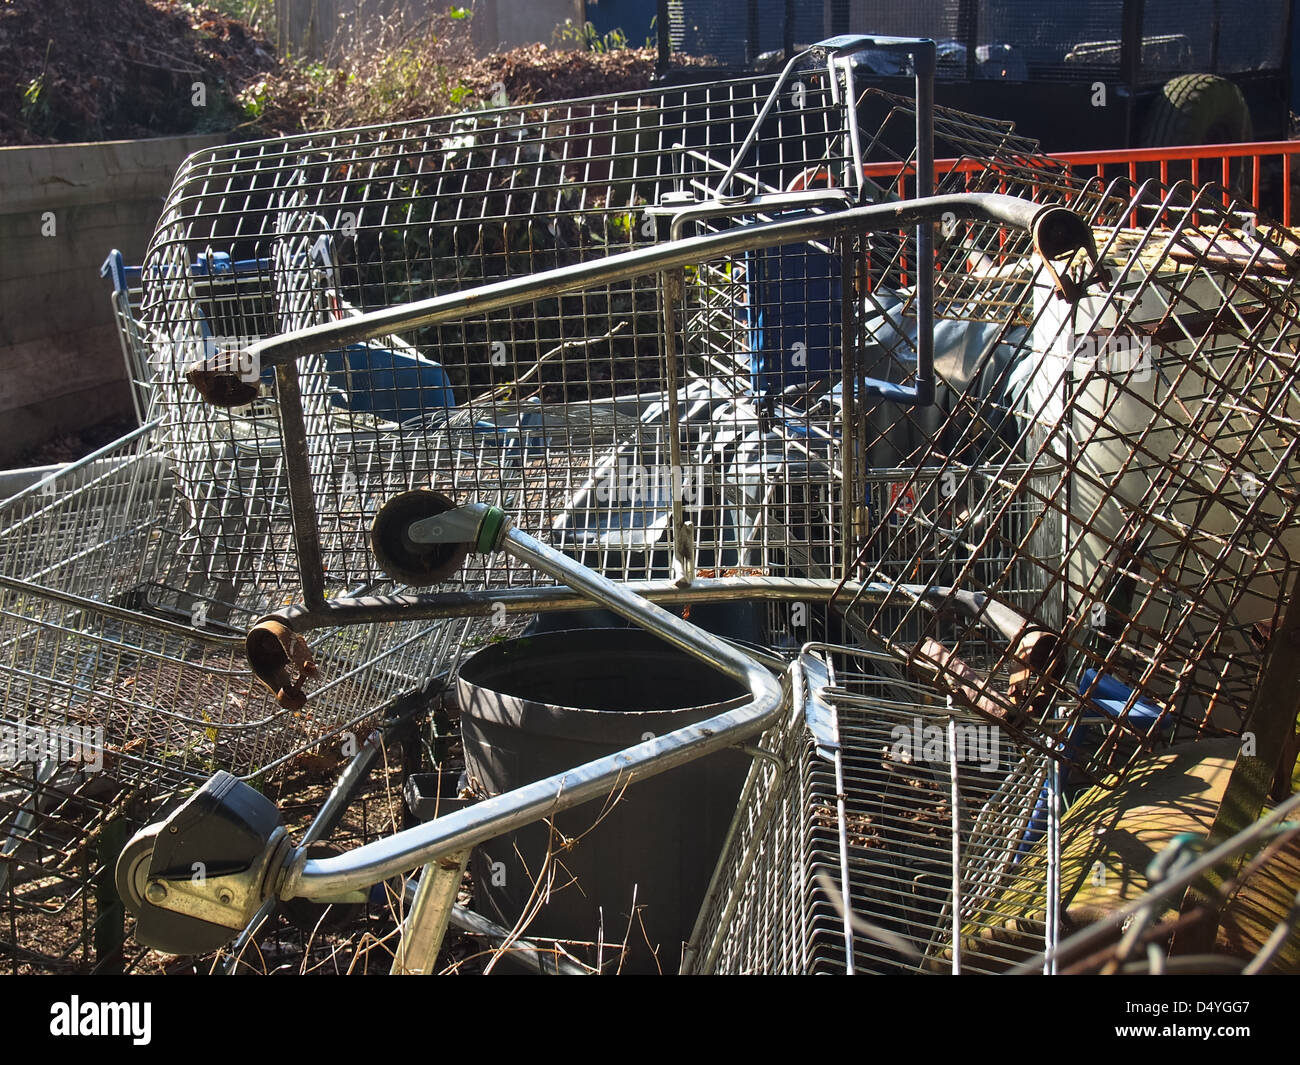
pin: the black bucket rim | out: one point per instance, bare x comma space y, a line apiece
540, 716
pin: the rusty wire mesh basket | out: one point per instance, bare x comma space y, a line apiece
1149, 430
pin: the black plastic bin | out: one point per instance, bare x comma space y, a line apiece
545, 703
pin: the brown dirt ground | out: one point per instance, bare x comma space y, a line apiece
74, 71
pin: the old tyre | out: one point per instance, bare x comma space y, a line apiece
1197, 109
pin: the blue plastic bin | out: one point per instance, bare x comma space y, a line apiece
795, 317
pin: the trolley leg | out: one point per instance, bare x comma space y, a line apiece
426, 924
110, 913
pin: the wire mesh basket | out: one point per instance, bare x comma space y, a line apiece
1049, 493
59, 836
561, 407
517, 401
1150, 430
104, 626
847, 856
123, 676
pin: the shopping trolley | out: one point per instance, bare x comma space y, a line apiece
567, 411
543, 442
104, 625
1145, 431
127, 292
571, 383
1037, 477
880, 833
123, 678
229, 826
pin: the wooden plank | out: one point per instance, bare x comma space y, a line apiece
1233, 253
1271, 725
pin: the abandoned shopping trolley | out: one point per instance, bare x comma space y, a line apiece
1015, 485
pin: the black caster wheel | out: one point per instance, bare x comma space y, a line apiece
418, 565
165, 930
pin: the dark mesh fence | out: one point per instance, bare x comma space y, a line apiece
1014, 39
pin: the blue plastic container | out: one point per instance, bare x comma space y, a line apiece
795, 317
389, 384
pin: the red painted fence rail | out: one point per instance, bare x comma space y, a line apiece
1209, 162
1206, 162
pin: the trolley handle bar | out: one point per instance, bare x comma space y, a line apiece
228, 378
921, 52
325, 878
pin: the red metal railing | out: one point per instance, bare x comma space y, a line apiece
1208, 162
1205, 162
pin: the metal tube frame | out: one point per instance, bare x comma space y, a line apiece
369, 610
463, 829
1056, 232
624, 266
426, 923
442, 845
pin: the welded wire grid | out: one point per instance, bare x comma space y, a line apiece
559, 409
856, 803
60, 831
103, 625
1154, 422
125, 302
531, 397
555, 408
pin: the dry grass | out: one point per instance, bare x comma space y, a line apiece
397, 69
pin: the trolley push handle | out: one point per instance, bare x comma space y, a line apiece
227, 825
837, 53
224, 378
493, 531
919, 52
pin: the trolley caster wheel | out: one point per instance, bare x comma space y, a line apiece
418, 565
164, 930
